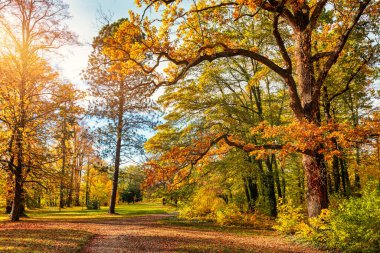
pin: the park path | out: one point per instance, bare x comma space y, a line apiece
145, 234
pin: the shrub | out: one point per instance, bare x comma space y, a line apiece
93, 204
229, 215
317, 230
353, 226
289, 218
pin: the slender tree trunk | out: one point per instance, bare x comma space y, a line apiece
115, 176
270, 185
78, 179
251, 192
18, 180
345, 178
118, 151
277, 177
71, 188
63, 168
77, 188
336, 174
357, 177
88, 182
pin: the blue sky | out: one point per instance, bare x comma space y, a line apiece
73, 59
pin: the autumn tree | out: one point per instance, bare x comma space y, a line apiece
66, 126
226, 98
309, 38
30, 29
124, 109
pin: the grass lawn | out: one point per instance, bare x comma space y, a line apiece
122, 210
46, 230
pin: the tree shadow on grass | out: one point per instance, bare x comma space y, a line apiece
43, 240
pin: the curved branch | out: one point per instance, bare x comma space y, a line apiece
281, 44
226, 53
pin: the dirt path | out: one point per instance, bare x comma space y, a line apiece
133, 234
144, 234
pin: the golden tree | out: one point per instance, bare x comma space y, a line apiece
29, 29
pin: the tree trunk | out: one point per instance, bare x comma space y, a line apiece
270, 185
71, 188
277, 177
16, 205
88, 183
336, 174
115, 176
357, 177
316, 176
18, 180
310, 91
9, 195
118, 151
251, 192
63, 168
345, 179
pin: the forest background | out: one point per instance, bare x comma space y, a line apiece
261, 109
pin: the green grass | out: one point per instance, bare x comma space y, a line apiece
31, 234
122, 210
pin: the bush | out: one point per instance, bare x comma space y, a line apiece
229, 215
289, 218
354, 226
93, 204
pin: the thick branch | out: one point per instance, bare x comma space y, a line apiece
281, 44
226, 53
250, 147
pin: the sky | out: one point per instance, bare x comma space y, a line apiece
71, 60
84, 22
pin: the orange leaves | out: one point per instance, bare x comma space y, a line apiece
177, 164
306, 137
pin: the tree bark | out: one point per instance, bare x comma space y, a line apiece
316, 176
118, 149
251, 192
115, 176
270, 185
313, 162
16, 205
63, 168
18, 180
9, 186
